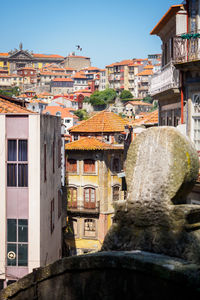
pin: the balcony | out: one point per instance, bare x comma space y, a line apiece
186, 48
167, 78
75, 208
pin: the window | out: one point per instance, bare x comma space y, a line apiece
89, 198
45, 162
115, 165
59, 203
89, 166
52, 219
72, 197
59, 152
196, 121
116, 193
17, 242
89, 228
53, 161
17, 163
72, 165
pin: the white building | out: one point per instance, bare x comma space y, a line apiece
30, 191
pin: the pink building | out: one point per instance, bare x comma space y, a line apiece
30, 191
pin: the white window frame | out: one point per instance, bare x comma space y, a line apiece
195, 116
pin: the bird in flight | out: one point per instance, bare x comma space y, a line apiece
78, 47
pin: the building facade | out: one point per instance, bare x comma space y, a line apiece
30, 191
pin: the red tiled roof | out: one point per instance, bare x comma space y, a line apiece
4, 54
138, 103
65, 112
147, 119
52, 73
63, 79
145, 73
90, 143
7, 107
103, 121
48, 55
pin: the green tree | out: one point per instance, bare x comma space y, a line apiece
81, 114
101, 98
125, 94
148, 99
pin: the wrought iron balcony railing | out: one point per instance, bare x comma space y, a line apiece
186, 47
164, 80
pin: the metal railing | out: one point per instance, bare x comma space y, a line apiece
186, 47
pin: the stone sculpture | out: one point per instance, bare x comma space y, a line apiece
161, 168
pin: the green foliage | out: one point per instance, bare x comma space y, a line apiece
15, 91
86, 99
125, 94
81, 114
155, 105
148, 99
101, 98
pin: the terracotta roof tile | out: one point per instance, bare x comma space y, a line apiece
63, 79
138, 103
103, 121
145, 73
7, 107
147, 119
90, 143
48, 55
65, 112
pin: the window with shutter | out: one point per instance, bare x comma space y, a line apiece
72, 166
89, 166
89, 198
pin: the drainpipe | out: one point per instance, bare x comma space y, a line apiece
182, 98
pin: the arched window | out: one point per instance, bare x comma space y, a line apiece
116, 193
72, 165
89, 197
89, 166
72, 197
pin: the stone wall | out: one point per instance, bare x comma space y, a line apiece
109, 276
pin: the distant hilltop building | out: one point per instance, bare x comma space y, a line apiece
77, 62
16, 59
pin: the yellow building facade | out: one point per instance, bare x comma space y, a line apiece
93, 187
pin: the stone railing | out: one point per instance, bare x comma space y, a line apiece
112, 275
164, 80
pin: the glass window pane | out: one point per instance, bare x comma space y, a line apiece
11, 254
11, 175
12, 150
22, 150
22, 175
22, 254
22, 230
92, 195
11, 230
87, 195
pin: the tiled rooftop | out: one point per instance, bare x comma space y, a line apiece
145, 73
147, 119
65, 112
90, 143
7, 107
103, 121
138, 103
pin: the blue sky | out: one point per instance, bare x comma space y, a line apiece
107, 30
